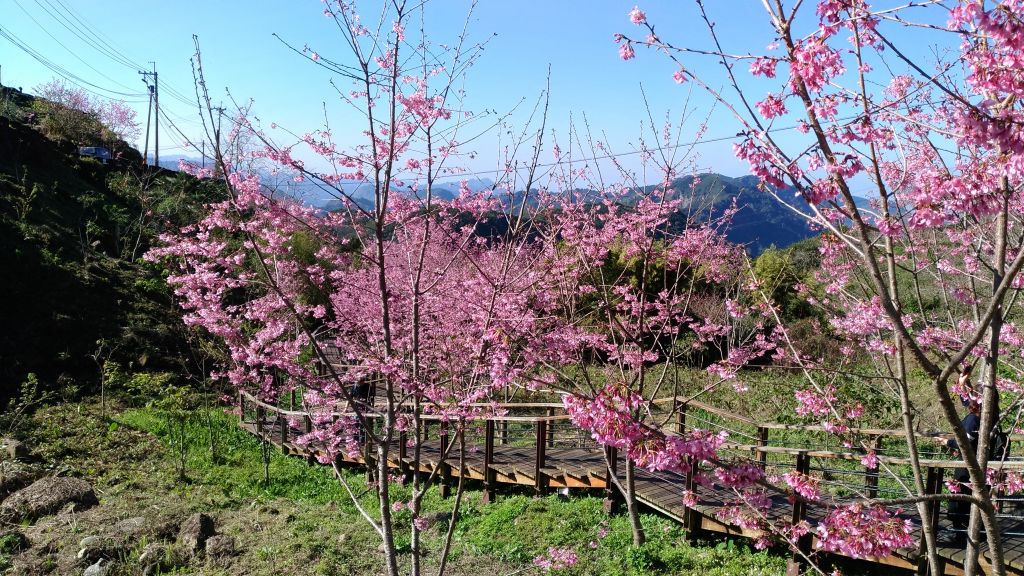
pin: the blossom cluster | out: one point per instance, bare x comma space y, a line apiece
557, 558
863, 531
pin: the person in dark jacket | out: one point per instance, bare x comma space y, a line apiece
360, 394
959, 511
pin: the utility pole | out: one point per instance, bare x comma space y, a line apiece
217, 152
149, 115
154, 102
156, 105
220, 115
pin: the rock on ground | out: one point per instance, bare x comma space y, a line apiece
100, 568
219, 547
194, 532
130, 528
94, 548
15, 475
154, 559
14, 448
47, 496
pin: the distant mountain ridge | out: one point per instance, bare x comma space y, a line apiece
761, 221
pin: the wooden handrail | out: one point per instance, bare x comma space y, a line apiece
831, 454
888, 432
371, 413
721, 412
760, 450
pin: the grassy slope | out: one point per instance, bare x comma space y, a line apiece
72, 231
303, 522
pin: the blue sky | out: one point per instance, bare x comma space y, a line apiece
240, 54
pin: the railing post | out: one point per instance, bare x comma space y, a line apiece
999, 494
871, 474
680, 409
611, 500
403, 452
307, 427
489, 473
691, 516
762, 441
260, 413
933, 485
540, 482
241, 406
503, 434
283, 420
803, 545
551, 428
446, 470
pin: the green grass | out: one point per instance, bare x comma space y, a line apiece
506, 535
517, 529
236, 464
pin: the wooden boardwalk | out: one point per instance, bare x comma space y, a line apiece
543, 451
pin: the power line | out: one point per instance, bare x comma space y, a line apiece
98, 35
87, 33
62, 45
84, 31
82, 35
61, 71
179, 96
185, 139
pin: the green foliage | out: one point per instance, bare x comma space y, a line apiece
237, 470
30, 395
12, 105
156, 389
73, 232
778, 272
64, 123
517, 529
512, 531
10, 544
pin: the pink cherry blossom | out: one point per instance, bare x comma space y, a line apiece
557, 558
636, 16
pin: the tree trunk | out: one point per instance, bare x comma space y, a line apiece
387, 534
632, 507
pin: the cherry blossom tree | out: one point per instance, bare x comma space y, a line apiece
927, 276
642, 296
435, 306
444, 305
71, 113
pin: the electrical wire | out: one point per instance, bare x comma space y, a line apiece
64, 46
74, 29
61, 71
74, 23
94, 31
184, 140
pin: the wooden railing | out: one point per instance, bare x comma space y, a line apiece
679, 415
495, 427
759, 448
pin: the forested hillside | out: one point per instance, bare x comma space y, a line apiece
73, 229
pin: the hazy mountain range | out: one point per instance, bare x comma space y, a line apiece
761, 221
